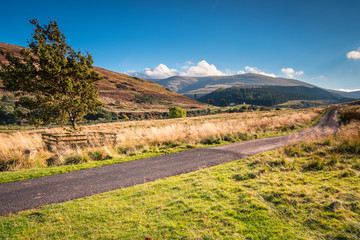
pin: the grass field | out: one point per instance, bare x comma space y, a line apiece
305, 103
309, 190
143, 139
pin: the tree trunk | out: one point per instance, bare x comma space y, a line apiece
73, 124
72, 121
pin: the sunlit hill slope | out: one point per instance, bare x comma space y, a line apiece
121, 92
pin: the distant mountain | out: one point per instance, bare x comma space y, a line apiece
269, 95
355, 94
120, 92
203, 85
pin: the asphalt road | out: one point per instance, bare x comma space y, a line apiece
33, 193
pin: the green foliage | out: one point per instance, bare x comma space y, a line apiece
8, 112
349, 114
244, 176
223, 102
210, 101
124, 116
99, 155
76, 159
177, 112
55, 81
146, 98
268, 95
103, 115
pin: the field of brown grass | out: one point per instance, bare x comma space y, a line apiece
25, 150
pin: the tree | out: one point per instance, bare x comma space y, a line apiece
177, 112
8, 112
55, 82
223, 102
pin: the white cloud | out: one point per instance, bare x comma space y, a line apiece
348, 90
162, 71
354, 54
258, 71
203, 69
291, 72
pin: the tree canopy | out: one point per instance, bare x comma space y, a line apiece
54, 81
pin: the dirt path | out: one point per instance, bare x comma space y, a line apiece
32, 193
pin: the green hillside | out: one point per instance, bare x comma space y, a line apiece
268, 95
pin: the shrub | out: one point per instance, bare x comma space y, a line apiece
348, 173
54, 160
315, 164
124, 116
177, 112
102, 114
349, 114
243, 177
99, 155
77, 159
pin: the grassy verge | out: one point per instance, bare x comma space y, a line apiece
310, 190
141, 152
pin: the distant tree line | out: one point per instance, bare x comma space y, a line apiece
11, 113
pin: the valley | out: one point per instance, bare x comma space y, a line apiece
306, 190
245, 156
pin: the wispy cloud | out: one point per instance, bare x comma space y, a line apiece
354, 54
289, 72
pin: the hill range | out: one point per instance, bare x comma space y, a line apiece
271, 95
269, 91
121, 92
203, 85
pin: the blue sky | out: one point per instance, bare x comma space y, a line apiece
315, 41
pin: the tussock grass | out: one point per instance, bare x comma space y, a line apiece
25, 150
309, 190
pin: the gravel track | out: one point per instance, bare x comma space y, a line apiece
33, 193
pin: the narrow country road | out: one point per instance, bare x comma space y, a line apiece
32, 193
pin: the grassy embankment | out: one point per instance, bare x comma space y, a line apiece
143, 139
310, 190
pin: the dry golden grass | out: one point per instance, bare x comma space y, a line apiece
26, 150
